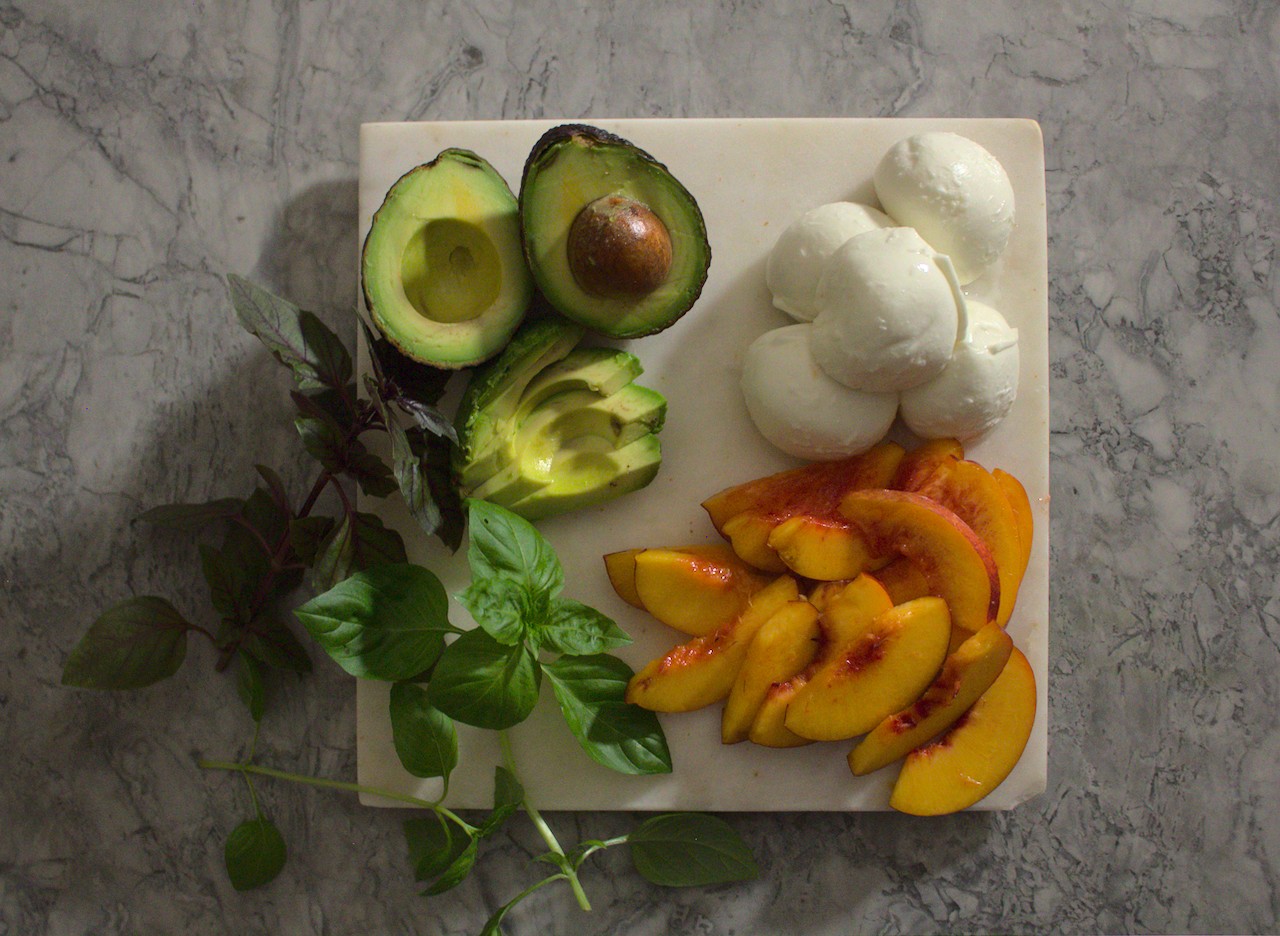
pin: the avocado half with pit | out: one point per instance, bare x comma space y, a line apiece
549, 427
443, 271
614, 241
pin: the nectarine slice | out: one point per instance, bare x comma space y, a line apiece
702, 670
748, 534
966, 674
621, 569
976, 497
822, 593
875, 675
747, 514
784, 646
923, 460
695, 589
1021, 505
847, 612
979, 751
902, 580
951, 557
822, 549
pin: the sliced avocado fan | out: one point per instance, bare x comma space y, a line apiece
613, 239
442, 269
543, 430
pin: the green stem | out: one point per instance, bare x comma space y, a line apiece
571, 874
607, 843
335, 785
506, 908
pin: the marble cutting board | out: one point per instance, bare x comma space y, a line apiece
751, 178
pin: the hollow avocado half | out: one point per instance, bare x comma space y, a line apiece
613, 240
443, 270
544, 429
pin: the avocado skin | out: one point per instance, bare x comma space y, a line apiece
565, 133
543, 154
504, 324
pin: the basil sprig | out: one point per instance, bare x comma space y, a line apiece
380, 617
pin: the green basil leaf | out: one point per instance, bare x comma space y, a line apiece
508, 796
297, 338
507, 789
504, 545
424, 737
250, 687
255, 853
457, 871
690, 850
502, 607
387, 622
273, 644
483, 683
591, 691
133, 644
433, 845
578, 630
192, 518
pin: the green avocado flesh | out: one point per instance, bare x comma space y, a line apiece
486, 414
589, 479
570, 168
443, 272
580, 428
543, 435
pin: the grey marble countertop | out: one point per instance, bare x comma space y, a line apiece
148, 148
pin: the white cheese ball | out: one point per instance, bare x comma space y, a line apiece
796, 261
889, 315
801, 410
954, 192
976, 390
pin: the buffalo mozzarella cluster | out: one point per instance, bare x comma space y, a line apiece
883, 326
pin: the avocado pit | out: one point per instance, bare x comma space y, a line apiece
618, 248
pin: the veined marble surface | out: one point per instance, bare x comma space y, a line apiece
145, 149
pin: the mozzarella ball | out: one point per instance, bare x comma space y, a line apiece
954, 192
801, 410
796, 261
888, 315
976, 389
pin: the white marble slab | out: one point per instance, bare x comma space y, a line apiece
751, 178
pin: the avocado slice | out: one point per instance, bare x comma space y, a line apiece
555, 427
585, 479
442, 269
562, 433
484, 420
613, 239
